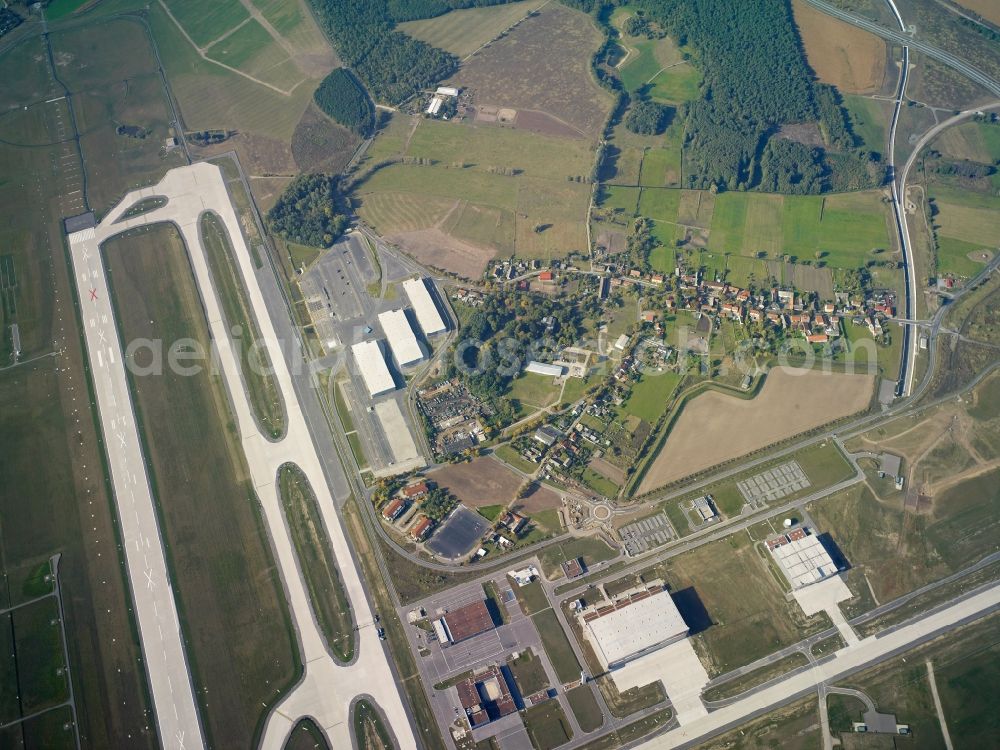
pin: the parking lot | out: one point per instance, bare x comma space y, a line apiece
646, 533
459, 534
335, 289
774, 484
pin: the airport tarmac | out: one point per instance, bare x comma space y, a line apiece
326, 689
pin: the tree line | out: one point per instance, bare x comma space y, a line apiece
392, 65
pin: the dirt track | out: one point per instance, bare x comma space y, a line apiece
715, 427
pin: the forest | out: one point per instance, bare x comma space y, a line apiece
306, 212
392, 65
756, 79
341, 97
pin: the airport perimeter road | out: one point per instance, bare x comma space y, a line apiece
152, 595
327, 689
847, 661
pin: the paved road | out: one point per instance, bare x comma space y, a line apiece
163, 652
326, 689
847, 661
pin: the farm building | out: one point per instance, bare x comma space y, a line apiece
541, 368
446, 91
802, 557
468, 621
399, 333
374, 371
434, 105
634, 626
423, 306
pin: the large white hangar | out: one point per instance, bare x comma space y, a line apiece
374, 371
423, 305
398, 332
634, 626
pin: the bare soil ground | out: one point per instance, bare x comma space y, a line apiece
851, 59
715, 427
482, 481
526, 71
546, 124
539, 498
434, 248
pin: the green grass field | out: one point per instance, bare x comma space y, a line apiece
510, 191
206, 23
462, 32
966, 222
229, 599
976, 141
534, 391
547, 726
369, 731
650, 396
591, 549
251, 49
676, 85
869, 121
329, 601
528, 672
660, 167
584, 706
265, 398
660, 204
843, 228
557, 646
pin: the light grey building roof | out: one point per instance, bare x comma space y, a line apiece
423, 306
636, 629
400, 336
890, 464
374, 371
804, 561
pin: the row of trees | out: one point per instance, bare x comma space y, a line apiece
345, 100
306, 212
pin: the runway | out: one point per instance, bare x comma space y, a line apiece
326, 689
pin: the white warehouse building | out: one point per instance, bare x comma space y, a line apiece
423, 306
399, 333
374, 371
634, 626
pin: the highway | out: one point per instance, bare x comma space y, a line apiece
326, 689
906, 40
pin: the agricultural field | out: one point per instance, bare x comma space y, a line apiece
703, 435
967, 228
229, 599
841, 54
468, 192
464, 31
841, 230
526, 71
985, 8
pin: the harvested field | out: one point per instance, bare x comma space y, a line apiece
546, 124
539, 498
482, 481
434, 248
712, 427
464, 31
988, 9
526, 71
843, 55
